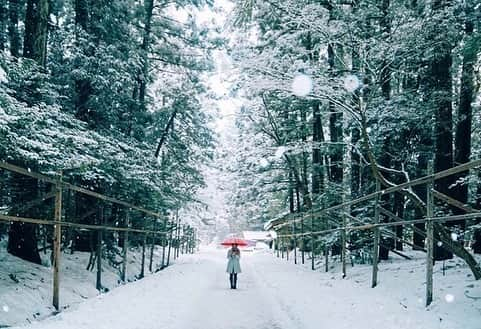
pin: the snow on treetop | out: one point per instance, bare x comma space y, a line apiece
3, 75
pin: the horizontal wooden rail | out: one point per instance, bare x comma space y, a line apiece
398, 223
453, 202
72, 187
414, 182
82, 226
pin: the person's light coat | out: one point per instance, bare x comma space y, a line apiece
233, 265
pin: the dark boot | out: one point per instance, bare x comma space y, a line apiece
231, 279
235, 281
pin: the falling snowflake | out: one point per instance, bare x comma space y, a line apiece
301, 85
351, 83
263, 163
449, 298
439, 243
454, 237
5, 308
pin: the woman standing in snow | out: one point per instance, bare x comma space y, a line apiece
233, 265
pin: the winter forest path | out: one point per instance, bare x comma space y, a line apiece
272, 294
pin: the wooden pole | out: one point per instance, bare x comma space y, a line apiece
125, 248
343, 246
191, 241
326, 258
377, 237
164, 241
312, 242
429, 238
182, 238
295, 242
170, 246
326, 247
303, 242
194, 240
283, 246
177, 245
152, 246
56, 244
287, 248
99, 250
142, 267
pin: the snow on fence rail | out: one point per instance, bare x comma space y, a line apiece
429, 219
172, 229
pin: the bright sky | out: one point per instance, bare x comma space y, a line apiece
218, 81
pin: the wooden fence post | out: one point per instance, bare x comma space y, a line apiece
312, 239
303, 240
343, 242
326, 247
124, 248
56, 244
170, 245
177, 245
282, 243
152, 245
287, 247
99, 250
183, 239
142, 267
377, 237
295, 240
429, 237
164, 241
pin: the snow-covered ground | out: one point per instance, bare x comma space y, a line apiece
273, 293
26, 288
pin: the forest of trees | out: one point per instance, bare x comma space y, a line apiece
416, 103
109, 94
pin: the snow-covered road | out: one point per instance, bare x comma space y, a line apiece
272, 294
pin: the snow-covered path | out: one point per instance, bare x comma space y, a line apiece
271, 294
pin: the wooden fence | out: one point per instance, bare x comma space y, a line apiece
344, 226
180, 238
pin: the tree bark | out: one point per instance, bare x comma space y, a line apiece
83, 87
13, 34
36, 30
143, 77
317, 165
3, 24
82, 14
464, 115
440, 84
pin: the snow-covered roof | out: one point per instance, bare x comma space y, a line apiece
256, 235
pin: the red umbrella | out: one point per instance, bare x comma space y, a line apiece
237, 241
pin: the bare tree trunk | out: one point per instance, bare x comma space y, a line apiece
36, 30
3, 24
149, 7
440, 84
464, 116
